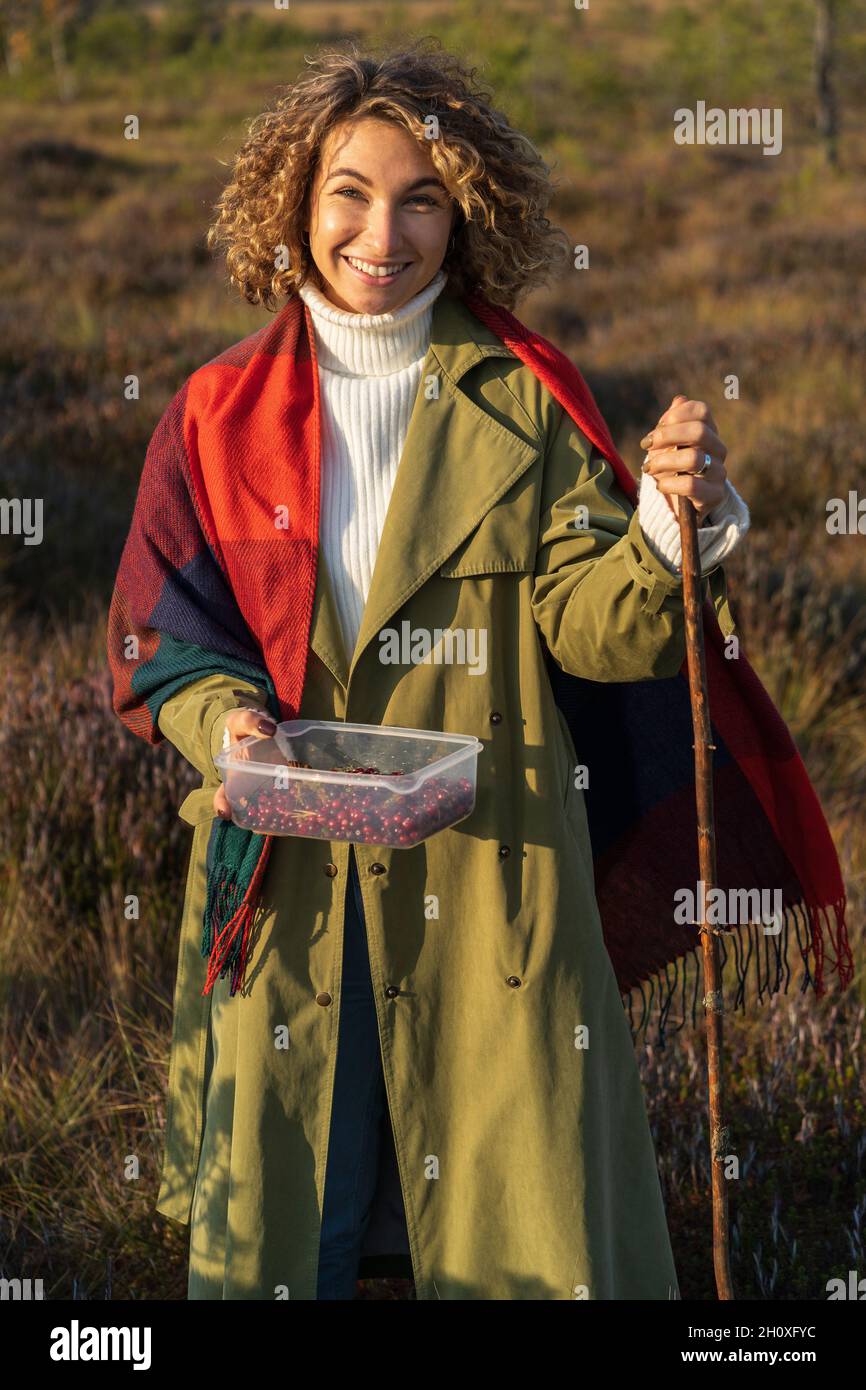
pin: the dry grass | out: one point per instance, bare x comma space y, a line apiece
703, 263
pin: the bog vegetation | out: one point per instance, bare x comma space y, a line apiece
705, 263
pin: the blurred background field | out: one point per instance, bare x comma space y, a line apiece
704, 262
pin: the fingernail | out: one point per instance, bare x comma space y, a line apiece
646, 441
267, 726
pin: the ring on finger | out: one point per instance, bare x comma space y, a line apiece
704, 466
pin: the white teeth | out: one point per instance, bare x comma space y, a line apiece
380, 270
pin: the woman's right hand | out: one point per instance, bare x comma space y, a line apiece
240, 724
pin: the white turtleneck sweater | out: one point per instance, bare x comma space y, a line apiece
369, 374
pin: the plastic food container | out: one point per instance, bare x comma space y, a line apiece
326, 780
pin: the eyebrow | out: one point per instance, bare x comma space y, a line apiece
419, 183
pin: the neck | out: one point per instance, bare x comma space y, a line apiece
371, 344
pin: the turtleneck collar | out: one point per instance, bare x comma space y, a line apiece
372, 344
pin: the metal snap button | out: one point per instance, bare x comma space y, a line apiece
514, 981
331, 870
495, 717
504, 851
324, 998
392, 991
377, 868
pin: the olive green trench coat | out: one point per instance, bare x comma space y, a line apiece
519, 1163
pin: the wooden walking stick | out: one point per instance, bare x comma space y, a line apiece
713, 1004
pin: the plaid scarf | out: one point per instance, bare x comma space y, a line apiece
208, 585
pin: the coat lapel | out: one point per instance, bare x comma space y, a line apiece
326, 636
457, 462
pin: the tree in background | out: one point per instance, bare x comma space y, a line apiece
14, 34
827, 116
58, 14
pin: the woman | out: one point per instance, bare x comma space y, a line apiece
431, 1057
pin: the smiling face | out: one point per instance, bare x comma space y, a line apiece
376, 198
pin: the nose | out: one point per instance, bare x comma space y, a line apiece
382, 235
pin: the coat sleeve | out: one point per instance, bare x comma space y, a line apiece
194, 719
607, 607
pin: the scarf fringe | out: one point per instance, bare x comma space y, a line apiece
229, 914
752, 950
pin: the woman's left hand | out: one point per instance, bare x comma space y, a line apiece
677, 448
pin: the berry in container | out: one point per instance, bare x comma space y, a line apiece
370, 784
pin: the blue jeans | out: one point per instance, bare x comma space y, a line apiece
357, 1112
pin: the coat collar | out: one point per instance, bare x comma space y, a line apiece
457, 462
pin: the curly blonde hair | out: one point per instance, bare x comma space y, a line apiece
502, 245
